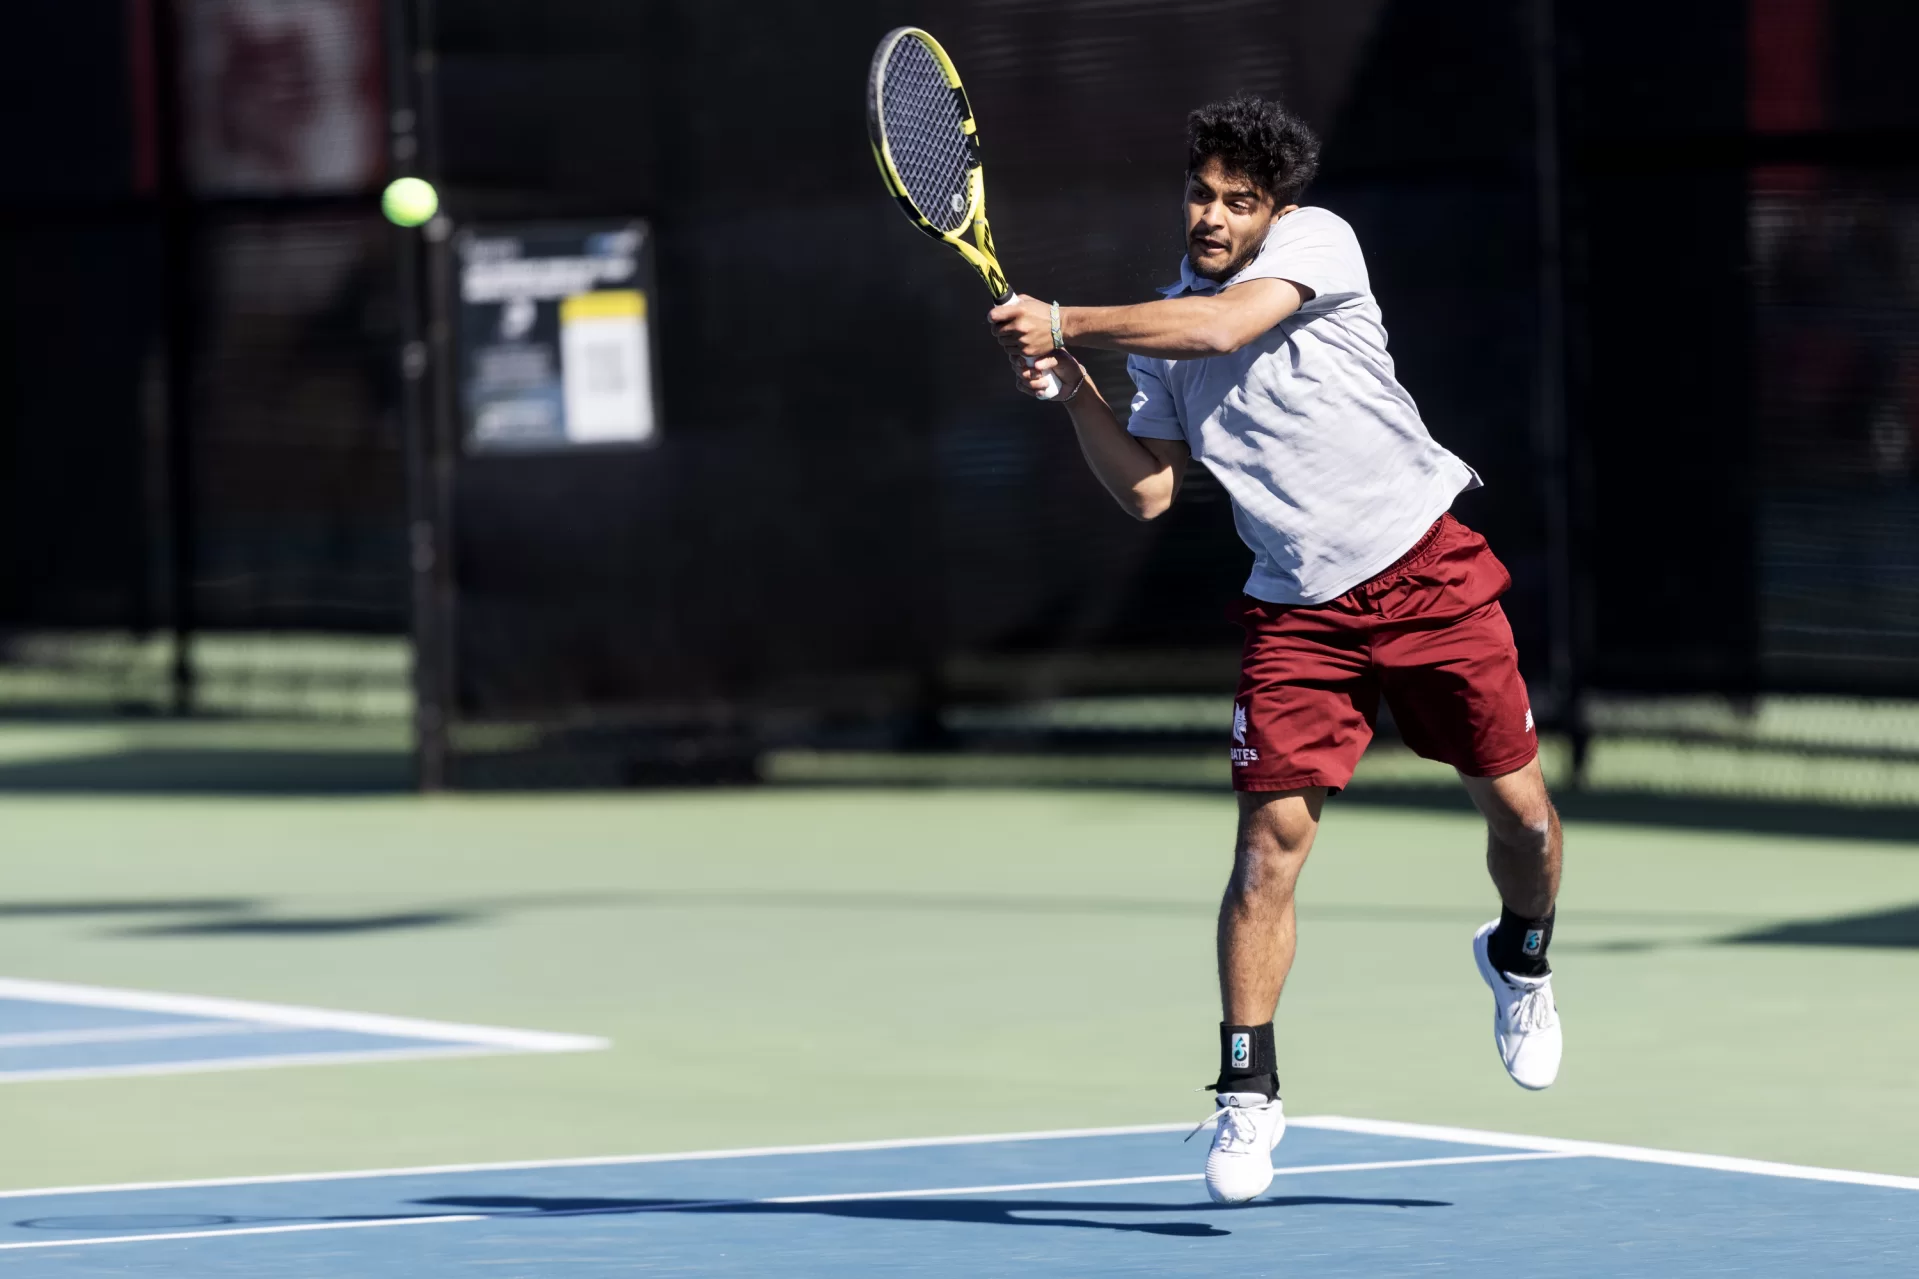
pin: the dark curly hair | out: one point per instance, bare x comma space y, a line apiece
1257, 138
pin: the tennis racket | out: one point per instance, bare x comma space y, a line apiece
927, 146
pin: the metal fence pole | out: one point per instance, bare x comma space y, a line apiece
424, 538
179, 232
1550, 417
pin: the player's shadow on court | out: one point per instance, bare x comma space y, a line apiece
1690, 812
1897, 928
307, 926
982, 1212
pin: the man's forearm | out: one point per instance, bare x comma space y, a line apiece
1187, 327
1170, 329
1140, 482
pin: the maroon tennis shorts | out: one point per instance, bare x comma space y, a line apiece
1427, 634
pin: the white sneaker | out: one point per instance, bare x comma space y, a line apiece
1525, 1021
1246, 1128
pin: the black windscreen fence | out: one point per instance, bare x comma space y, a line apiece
200, 431
1651, 269
851, 519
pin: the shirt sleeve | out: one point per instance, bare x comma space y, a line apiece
1155, 412
1319, 251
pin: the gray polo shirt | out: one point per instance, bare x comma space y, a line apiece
1331, 472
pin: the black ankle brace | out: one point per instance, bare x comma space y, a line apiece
1518, 945
1247, 1060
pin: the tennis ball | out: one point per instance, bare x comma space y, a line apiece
409, 201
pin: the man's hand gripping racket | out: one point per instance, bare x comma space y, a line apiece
1043, 367
927, 147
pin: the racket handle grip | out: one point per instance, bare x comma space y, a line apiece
1049, 391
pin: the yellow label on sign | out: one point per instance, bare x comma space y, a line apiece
607, 304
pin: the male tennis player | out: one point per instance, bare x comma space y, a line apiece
1267, 362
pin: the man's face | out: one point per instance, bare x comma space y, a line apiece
1227, 218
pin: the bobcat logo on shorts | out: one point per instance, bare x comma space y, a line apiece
1241, 754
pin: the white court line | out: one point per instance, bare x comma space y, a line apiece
1018, 1187
132, 1034
532, 1041
1338, 1123
604, 1161
1605, 1150
244, 1230
697, 1205
213, 1065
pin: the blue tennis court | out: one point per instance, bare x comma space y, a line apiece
1354, 1198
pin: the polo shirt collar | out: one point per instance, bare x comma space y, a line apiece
1191, 281
1188, 282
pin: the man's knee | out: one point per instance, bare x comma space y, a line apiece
1263, 878
1275, 834
1522, 820
1516, 807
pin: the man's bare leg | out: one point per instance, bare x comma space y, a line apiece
1523, 856
1256, 941
1523, 844
1256, 932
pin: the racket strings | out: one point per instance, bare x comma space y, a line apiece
924, 135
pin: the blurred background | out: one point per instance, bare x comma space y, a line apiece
292, 529
1660, 292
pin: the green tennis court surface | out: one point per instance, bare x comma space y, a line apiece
872, 963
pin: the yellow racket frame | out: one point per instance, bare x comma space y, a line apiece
973, 238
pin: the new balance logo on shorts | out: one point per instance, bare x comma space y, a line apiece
1529, 719
1242, 1050
1534, 937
